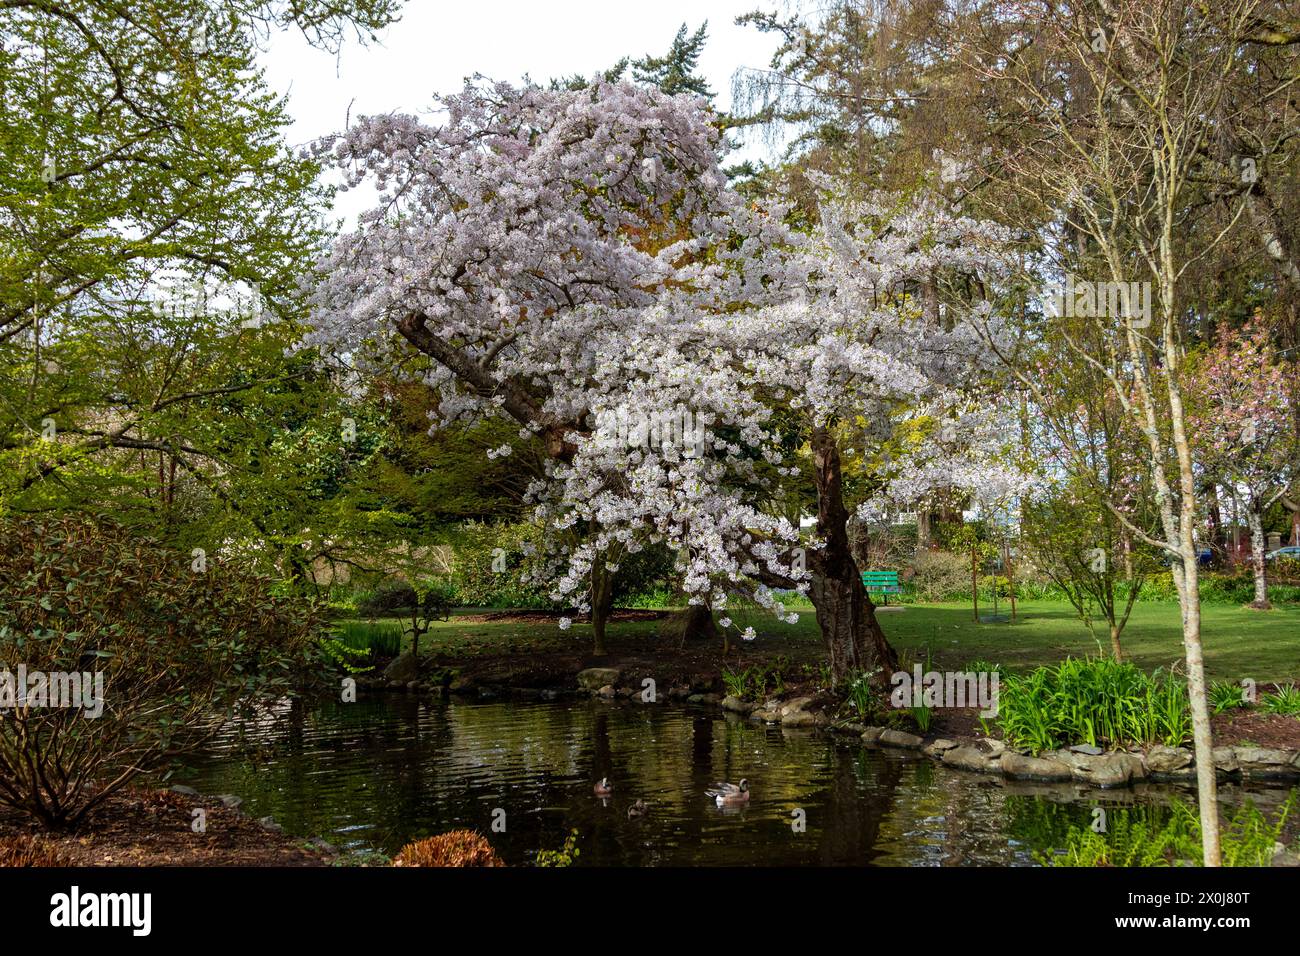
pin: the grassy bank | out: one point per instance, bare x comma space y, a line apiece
1239, 643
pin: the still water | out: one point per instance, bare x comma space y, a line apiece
376, 774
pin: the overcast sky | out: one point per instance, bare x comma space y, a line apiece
437, 44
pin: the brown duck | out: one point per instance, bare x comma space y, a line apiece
729, 794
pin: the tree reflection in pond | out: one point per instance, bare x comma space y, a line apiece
379, 773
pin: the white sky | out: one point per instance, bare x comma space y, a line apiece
437, 44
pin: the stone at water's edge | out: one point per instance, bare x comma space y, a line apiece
797, 704
736, 705
1107, 770
1225, 759
594, 678
799, 718
937, 748
1162, 759
971, 758
872, 735
402, 669
901, 738
1020, 767
1265, 762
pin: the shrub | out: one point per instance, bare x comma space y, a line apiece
494, 564
434, 597
1286, 569
1093, 700
648, 571
1001, 583
455, 848
31, 851
653, 598
940, 576
178, 650
385, 599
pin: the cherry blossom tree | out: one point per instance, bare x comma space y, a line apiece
575, 258
842, 357
522, 228
1243, 428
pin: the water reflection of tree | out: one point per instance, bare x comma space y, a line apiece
855, 813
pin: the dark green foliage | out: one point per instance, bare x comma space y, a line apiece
180, 646
674, 72
648, 571
759, 681
371, 640
493, 563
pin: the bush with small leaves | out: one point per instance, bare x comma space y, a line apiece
169, 649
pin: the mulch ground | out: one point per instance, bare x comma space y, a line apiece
153, 828
1235, 728
1253, 728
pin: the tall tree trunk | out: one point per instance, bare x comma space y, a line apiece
602, 602
1188, 581
845, 613
1256, 522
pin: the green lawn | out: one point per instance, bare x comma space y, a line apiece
1239, 643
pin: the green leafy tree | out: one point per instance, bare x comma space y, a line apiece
153, 225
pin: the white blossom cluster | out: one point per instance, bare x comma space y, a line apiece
563, 255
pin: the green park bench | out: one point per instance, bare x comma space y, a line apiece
882, 582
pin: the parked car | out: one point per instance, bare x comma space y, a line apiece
1204, 558
1290, 551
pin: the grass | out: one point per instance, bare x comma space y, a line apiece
1262, 645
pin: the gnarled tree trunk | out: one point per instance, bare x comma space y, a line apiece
845, 612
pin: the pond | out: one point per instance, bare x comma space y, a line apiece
376, 774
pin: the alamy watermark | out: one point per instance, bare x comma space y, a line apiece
236, 301
1082, 298
658, 429
946, 689
70, 690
